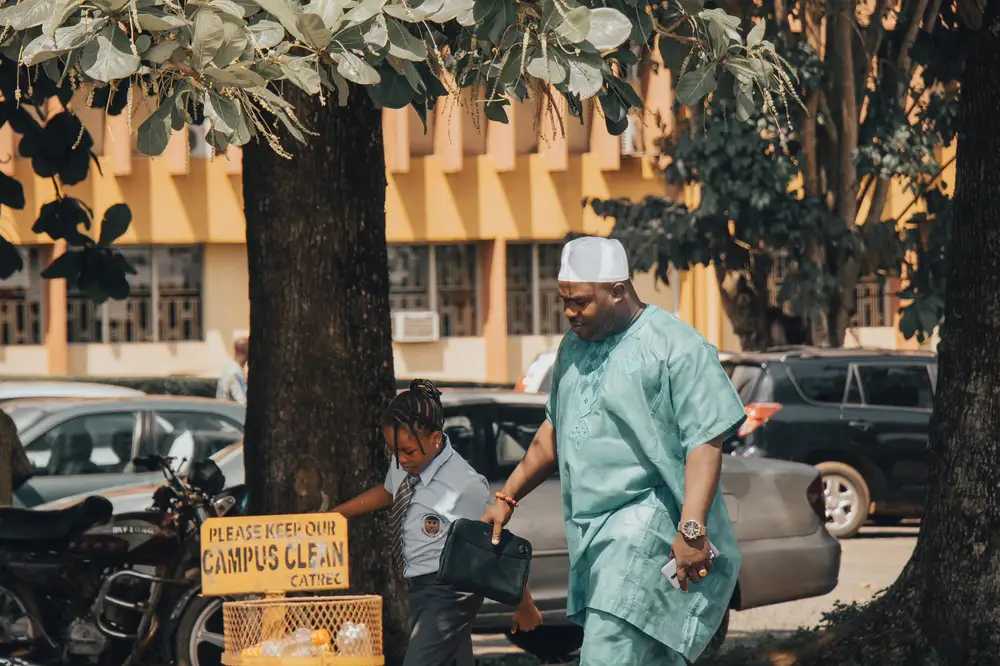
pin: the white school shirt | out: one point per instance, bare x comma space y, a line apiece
448, 489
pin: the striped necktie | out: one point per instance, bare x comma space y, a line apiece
400, 503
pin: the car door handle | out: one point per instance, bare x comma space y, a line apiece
863, 426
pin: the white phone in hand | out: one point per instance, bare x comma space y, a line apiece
669, 570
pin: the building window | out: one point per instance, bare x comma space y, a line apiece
21, 302
164, 303
440, 278
533, 303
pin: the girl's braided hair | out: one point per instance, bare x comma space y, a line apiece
418, 408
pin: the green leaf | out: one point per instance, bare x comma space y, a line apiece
585, 77
314, 30
109, 57
66, 266
11, 260
236, 75
116, 221
403, 44
283, 12
741, 69
66, 38
696, 84
377, 32
224, 113
234, 41
364, 10
547, 69
331, 11
609, 28
302, 72
353, 68
62, 11
744, 101
574, 26
160, 53
110, 6
720, 16
154, 134
393, 91
26, 14
11, 192
268, 33
207, 38
496, 112
161, 23
229, 8
756, 34
343, 88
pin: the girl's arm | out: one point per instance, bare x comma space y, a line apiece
372, 499
527, 617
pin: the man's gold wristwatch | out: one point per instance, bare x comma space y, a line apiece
691, 530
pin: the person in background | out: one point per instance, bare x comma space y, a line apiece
233, 381
428, 487
637, 413
15, 468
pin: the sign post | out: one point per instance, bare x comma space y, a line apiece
277, 555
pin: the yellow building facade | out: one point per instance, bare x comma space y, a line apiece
476, 212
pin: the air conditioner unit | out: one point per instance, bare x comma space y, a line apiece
416, 326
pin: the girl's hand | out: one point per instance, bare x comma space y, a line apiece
527, 617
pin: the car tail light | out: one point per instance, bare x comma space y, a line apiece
521, 385
817, 499
758, 413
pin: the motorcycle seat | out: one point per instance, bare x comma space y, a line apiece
60, 525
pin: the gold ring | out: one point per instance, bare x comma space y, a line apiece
702, 572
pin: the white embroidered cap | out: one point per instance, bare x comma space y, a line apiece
593, 259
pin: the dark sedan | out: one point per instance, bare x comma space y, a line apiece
86, 445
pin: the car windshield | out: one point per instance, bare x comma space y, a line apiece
24, 417
745, 378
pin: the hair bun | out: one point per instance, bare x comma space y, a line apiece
426, 387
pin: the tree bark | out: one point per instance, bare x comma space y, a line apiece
320, 367
945, 606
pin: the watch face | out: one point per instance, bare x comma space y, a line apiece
691, 529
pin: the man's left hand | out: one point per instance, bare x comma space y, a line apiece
694, 560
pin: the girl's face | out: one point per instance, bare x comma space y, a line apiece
411, 458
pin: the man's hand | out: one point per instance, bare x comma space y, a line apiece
497, 515
694, 560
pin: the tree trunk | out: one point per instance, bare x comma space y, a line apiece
945, 606
756, 322
320, 367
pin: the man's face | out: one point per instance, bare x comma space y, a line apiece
590, 307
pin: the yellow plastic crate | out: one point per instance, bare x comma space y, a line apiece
250, 622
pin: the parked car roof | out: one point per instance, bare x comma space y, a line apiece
457, 397
780, 354
15, 390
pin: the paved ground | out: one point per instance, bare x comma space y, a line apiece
869, 563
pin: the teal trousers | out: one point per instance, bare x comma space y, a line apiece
611, 641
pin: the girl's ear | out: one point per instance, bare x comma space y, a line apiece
436, 439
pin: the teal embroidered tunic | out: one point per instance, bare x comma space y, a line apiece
627, 410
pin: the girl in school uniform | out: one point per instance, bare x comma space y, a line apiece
429, 486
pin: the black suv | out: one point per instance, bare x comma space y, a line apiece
861, 416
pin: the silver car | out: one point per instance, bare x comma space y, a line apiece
776, 506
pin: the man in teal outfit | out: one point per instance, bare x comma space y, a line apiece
636, 418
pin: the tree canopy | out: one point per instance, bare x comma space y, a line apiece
815, 199
230, 62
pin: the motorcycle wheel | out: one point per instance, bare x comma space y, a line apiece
199, 638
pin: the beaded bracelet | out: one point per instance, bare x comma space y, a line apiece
511, 502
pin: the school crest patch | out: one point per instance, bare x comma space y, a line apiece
432, 525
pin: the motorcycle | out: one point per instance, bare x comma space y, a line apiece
83, 585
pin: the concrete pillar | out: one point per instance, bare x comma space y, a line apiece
54, 304
493, 275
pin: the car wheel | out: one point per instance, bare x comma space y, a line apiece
847, 499
550, 645
199, 639
716, 643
